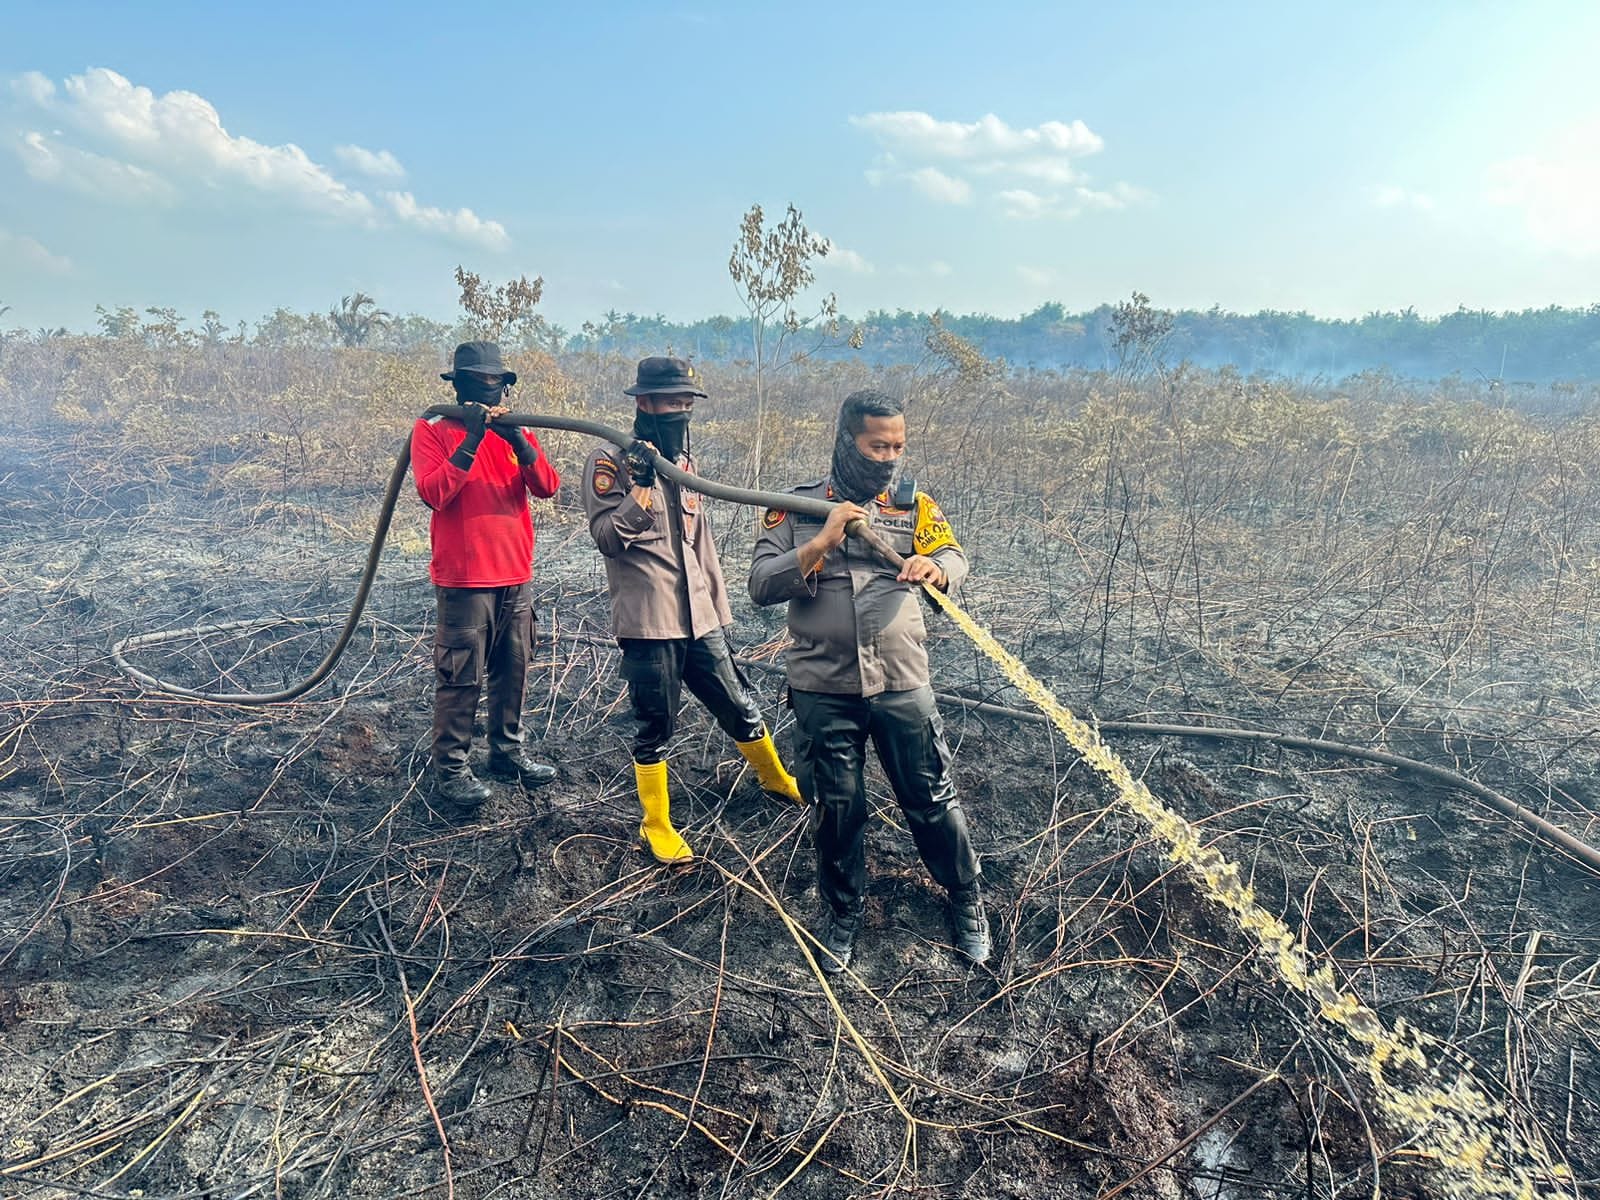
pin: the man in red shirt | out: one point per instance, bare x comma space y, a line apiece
477, 480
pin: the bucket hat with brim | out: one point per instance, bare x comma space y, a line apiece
478, 358
661, 376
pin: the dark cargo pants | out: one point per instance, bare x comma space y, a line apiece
906, 731
482, 634
658, 669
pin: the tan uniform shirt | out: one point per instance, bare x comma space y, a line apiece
857, 630
661, 563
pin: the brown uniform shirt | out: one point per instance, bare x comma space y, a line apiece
857, 630
661, 563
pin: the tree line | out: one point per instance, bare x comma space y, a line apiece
771, 266
1534, 345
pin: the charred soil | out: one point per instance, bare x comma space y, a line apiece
241, 955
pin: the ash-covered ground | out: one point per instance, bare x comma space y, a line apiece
240, 956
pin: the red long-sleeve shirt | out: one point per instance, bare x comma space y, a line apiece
482, 532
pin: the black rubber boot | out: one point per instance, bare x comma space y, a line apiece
969, 927
517, 767
838, 942
461, 788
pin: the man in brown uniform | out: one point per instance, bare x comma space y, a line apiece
669, 604
858, 668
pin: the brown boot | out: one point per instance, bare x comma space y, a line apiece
460, 787
969, 926
515, 766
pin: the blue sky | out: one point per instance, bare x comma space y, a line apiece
1338, 158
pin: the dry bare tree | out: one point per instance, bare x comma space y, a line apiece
771, 267
493, 312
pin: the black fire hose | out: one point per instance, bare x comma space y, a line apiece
1546, 831
391, 496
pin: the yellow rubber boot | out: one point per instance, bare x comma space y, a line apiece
763, 756
656, 831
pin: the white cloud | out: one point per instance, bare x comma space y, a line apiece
923, 136
33, 87
1024, 205
850, 260
1388, 195
380, 164
1036, 276
944, 159
1555, 190
174, 146
50, 161
461, 223
939, 187
1057, 171
179, 135
938, 268
26, 254
1118, 195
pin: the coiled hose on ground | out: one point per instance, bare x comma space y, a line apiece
1544, 830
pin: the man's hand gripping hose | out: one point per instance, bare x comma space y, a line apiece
1546, 831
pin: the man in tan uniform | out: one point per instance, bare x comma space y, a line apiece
858, 669
669, 604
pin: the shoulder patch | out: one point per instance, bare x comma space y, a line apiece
605, 476
889, 506
932, 530
773, 518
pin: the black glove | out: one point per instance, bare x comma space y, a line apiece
476, 418
642, 464
524, 447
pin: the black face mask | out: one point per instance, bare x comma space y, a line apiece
474, 389
855, 476
667, 432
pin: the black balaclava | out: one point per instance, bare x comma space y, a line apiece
667, 432
855, 476
472, 388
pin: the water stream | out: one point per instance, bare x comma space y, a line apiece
1425, 1090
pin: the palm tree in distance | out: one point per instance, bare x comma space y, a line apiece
357, 318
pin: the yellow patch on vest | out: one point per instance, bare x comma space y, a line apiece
932, 531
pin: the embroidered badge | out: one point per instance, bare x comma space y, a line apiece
933, 532
773, 518
605, 476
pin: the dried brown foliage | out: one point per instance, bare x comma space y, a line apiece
238, 955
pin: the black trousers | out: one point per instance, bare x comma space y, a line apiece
483, 634
657, 671
908, 735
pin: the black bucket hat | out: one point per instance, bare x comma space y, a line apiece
480, 358
664, 377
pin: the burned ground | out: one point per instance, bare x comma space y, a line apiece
240, 956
